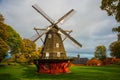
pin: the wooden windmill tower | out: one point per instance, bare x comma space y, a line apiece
53, 59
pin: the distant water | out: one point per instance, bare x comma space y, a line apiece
83, 54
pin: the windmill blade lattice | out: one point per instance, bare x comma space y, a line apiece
34, 37
39, 36
66, 16
72, 39
39, 10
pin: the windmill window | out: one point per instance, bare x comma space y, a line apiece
47, 54
58, 54
49, 35
57, 45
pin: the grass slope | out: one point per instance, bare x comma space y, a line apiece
25, 72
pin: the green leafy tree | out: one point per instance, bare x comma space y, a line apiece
10, 36
3, 38
100, 52
117, 29
14, 40
115, 49
3, 49
112, 7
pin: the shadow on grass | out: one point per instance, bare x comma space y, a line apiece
6, 76
31, 74
1, 66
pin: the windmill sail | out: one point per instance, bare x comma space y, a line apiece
39, 10
34, 37
39, 36
66, 16
67, 35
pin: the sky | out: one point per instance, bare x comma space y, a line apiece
91, 26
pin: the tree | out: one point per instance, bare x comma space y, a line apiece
3, 49
21, 58
115, 49
3, 38
28, 46
28, 49
3, 32
36, 54
117, 29
1, 18
100, 52
10, 36
112, 7
14, 40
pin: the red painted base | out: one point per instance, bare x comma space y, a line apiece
53, 68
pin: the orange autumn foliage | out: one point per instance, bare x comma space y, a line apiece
94, 62
111, 60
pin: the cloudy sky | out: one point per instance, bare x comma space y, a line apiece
91, 26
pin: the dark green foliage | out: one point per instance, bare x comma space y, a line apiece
117, 29
115, 49
3, 49
100, 52
3, 38
9, 38
112, 7
27, 52
14, 40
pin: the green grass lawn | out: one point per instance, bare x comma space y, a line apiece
25, 72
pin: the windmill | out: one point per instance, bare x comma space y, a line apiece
53, 59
